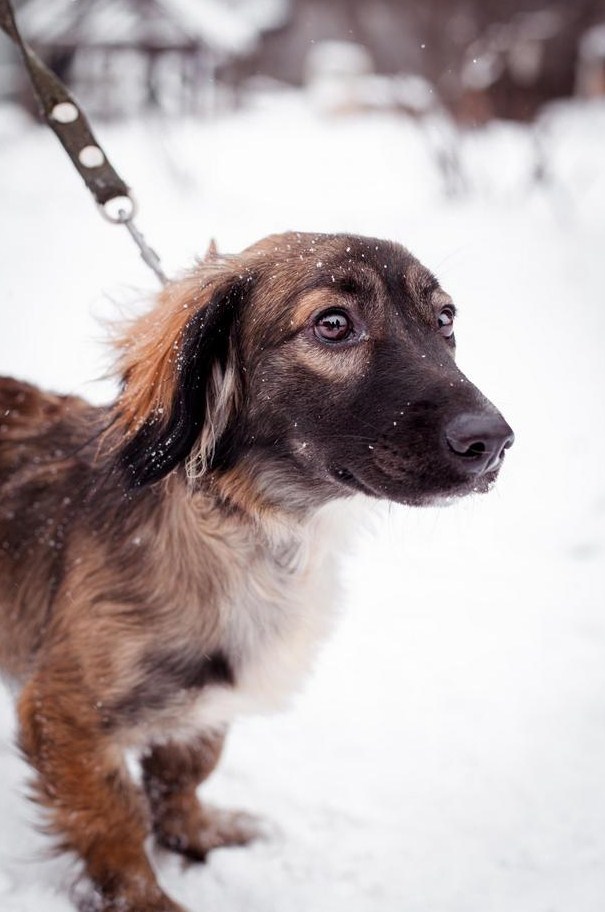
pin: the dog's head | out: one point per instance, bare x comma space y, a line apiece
307, 368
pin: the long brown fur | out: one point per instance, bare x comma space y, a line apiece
166, 561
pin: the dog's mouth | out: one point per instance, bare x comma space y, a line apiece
436, 491
349, 480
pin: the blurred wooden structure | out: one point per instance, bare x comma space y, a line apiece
124, 56
590, 81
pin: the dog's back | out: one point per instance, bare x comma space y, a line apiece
26, 415
39, 434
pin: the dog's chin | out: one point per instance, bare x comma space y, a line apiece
435, 496
480, 485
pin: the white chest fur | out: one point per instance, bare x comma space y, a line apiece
281, 605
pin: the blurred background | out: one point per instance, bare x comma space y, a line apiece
448, 753
473, 60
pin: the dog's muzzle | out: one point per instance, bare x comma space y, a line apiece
478, 442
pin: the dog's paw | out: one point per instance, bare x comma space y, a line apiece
157, 901
213, 829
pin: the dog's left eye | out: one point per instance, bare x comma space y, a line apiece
445, 321
333, 326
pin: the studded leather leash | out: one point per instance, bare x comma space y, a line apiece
64, 116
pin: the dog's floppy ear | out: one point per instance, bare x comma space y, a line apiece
180, 379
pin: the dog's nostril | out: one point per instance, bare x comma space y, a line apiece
506, 446
462, 444
479, 439
475, 449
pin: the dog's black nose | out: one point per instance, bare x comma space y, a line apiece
479, 441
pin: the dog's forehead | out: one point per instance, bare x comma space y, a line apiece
329, 250
304, 262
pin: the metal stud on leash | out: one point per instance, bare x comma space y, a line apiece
64, 116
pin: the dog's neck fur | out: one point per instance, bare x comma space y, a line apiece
257, 587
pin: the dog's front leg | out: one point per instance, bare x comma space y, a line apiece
171, 774
93, 807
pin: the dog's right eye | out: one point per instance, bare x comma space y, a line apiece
333, 326
445, 321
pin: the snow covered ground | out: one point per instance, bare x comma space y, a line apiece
448, 754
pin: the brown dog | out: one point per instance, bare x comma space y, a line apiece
166, 562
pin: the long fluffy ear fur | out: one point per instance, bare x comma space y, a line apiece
180, 378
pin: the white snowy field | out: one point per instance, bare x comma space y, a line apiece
448, 755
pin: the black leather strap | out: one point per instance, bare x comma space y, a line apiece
63, 114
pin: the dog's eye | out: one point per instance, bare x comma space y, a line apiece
445, 321
333, 326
